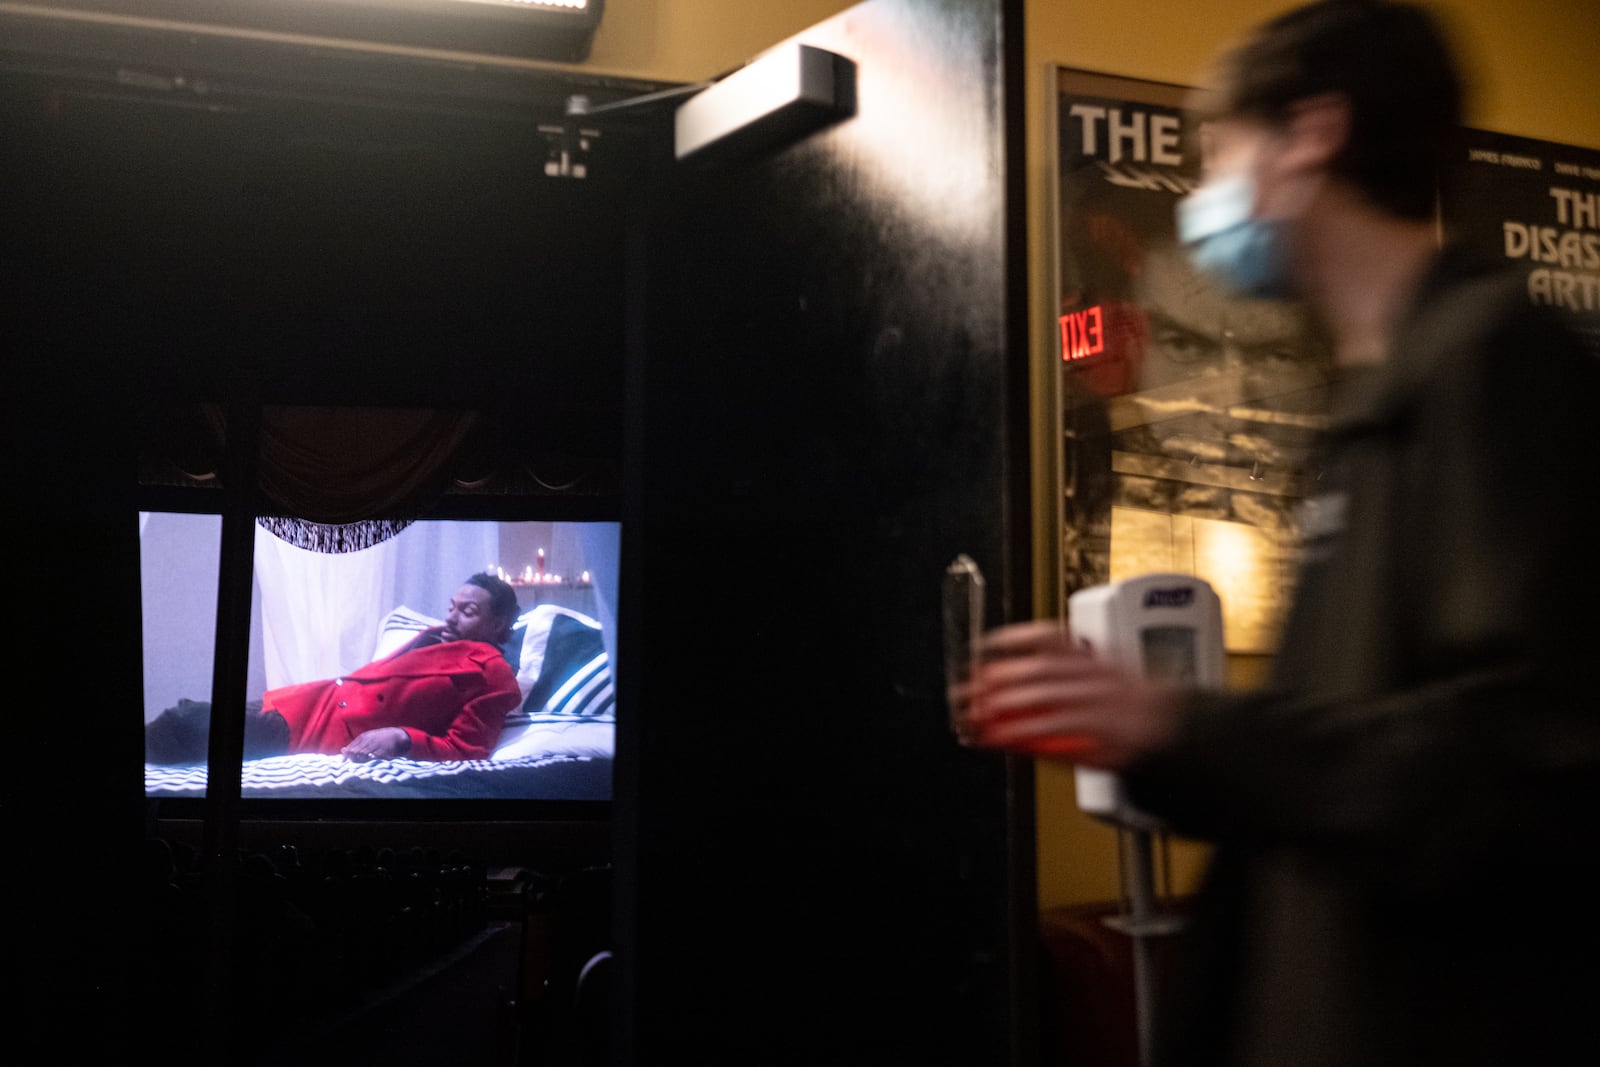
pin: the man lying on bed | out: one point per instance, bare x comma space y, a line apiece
443, 695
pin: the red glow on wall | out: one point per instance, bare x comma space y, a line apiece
1083, 334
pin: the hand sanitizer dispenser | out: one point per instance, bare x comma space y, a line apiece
1168, 627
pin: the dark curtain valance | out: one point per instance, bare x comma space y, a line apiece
335, 466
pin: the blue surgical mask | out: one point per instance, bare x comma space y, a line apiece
1247, 255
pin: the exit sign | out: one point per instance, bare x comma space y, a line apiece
1083, 334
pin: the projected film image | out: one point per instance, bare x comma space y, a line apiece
421, 660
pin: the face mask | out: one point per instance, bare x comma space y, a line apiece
1248, 255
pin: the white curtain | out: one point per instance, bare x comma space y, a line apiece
320, 612
602, 549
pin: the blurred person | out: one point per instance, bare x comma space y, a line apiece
1402, 818
443, 695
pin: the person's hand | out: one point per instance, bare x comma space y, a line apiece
386, 742
431, 635
1034, 692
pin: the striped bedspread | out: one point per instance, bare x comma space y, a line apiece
319, 774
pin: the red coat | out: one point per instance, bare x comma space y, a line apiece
451, 698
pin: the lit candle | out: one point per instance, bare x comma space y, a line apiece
541, 563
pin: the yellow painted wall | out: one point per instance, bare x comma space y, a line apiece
694, 40
1533, 73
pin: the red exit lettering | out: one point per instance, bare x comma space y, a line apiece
1082, 334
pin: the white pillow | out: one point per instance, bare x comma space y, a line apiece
577, 737
398, 627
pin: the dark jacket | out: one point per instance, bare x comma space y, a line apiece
1405, 819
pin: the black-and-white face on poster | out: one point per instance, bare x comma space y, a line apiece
1178, 398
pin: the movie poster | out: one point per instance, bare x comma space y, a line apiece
1536, 205
1188, 418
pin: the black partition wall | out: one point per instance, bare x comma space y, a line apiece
796, 372
815, 872
197, 228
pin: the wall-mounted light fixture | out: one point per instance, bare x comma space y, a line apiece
548, 29
558, 30
775, 99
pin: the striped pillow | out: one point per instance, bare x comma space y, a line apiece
565, 672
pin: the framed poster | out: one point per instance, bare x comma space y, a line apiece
1187, 416
1536, 204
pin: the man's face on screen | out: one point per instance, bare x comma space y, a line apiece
469, 617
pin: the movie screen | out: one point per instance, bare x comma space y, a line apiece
432, 659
